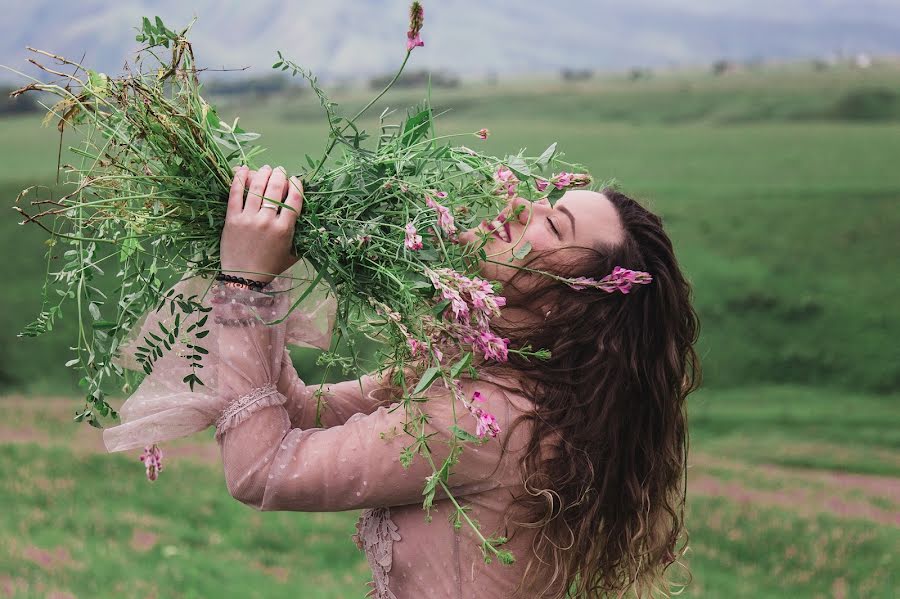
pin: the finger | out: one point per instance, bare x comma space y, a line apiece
236, 194
257, 188
276, 189
294, 200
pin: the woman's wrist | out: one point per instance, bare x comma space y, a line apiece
229, 280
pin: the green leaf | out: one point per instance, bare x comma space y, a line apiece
415, 128
464, 435
464, 167
554, 195
461, 365
522, 251
545, 157
440, 307
104, 325
518, 166
428, 377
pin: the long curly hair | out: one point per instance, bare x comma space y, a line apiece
609, 500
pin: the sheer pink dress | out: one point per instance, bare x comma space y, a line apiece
276, 458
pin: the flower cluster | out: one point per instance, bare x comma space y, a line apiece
482, 134
562, 181
416, 19
152, 458
472, 299
620, 279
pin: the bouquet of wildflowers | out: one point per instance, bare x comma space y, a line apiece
380, 226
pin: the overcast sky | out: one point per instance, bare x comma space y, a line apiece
347, 38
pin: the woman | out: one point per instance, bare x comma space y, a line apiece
586, 476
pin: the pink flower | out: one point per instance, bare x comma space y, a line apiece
466, 296
623, 278
445, 219
580, 179
152, 458
562, 180
507, 180
541, 184
482, 134
476, 396
416, 19
487, 424
620, 279
416, 347
492, 346
413, 241
413, 40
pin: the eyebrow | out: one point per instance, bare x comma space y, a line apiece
565, 211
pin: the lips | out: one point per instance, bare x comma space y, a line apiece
498, 228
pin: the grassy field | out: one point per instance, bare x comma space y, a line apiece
783, 198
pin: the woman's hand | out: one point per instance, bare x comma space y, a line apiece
257, 240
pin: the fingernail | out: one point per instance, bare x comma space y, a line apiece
266, 166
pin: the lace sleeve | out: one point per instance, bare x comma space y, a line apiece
271, 466
164, 407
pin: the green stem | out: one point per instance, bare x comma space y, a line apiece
358, 114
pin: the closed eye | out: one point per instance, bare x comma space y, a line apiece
555, 230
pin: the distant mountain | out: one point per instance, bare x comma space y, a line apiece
354, 38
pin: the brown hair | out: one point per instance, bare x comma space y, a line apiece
609, 504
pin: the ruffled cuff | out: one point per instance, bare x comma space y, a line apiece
229, 348
246, 405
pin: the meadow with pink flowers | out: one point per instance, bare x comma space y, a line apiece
784, 211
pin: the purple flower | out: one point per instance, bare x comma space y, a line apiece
413, 40
416, 347
541, 184
507, 180
416, 19
492, 346
482, 134
487, 424
152, 458
413, 241
620, 279
445, 219
562, 180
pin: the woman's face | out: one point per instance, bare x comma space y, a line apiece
580, 218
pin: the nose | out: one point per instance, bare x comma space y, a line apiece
535, 208
523, 215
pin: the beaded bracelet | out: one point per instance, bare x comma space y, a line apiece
255, 285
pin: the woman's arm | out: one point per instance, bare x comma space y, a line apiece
269, 464
308, 406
